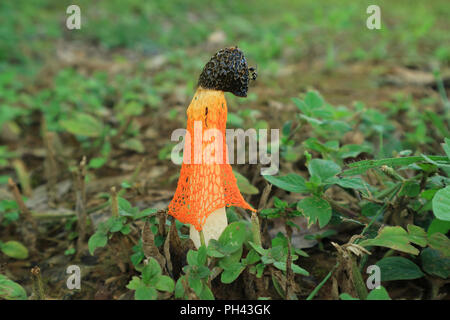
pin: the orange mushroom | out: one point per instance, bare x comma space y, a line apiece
207, 184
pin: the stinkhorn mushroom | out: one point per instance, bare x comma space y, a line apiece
207, 184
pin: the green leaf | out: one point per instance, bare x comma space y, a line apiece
280, 204
258, 248
145, 213
428, 194
133, 144
126, 229
196, 284
379, 293
315, 209
313, 100
369, 209
125, 207
131, 108
280, 240
346, 296
291, 182
231, 258
349, 183
179, 288
202, 272
213, 249
11, 290
441, 204
137, 257
301, 253
97, 240
14, 249
295, 268
244, 185
410, 189
134, 283
151, 272
324, 169
96, 163
232, 272
314, 144
251, 258
192, 258
270, 213
438, 226
260, 269
435, 263
398, 268
234, 120
352, 150
206, 294
277, 253
116, 224
83, 124
440, 242
232, 237
446, 147
70, 251
392, 237
278, 287
165, 283
417, 235
145, 293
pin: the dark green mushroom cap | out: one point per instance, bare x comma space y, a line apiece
226, 71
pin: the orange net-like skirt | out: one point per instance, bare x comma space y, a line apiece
206, 182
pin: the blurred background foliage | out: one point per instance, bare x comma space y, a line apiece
116, 89
141, 52
124, 80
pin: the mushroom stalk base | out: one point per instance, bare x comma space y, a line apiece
212, 229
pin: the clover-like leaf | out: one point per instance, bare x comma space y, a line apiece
165, 283
315, 209
232, 272
324, 169
97, 240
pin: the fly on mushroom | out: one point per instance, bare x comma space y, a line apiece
254, 72
207, 184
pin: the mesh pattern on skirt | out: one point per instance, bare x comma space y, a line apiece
206, 181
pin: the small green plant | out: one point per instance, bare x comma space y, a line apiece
14, 249
196, 276
9, 212
122, 215
151, 282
